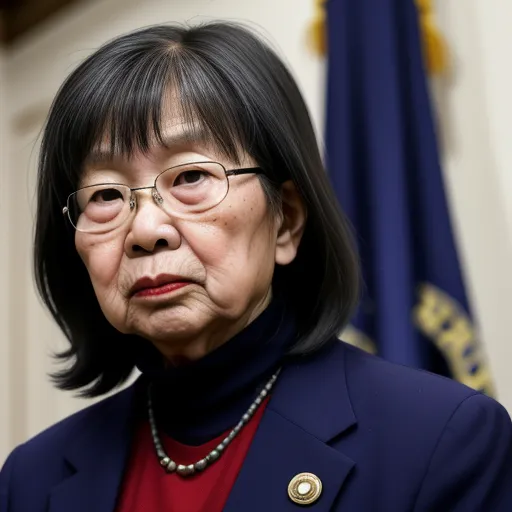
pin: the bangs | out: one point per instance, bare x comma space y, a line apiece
124, 105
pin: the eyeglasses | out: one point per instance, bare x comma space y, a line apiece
183, 190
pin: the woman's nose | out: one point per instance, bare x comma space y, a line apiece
151, 229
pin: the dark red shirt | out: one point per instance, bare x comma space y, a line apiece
148, 488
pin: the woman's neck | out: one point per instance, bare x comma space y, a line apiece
198, 401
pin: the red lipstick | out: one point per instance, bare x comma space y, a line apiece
161, 285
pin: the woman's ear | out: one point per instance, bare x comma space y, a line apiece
293, 222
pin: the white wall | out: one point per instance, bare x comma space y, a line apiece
4, 265
475, 110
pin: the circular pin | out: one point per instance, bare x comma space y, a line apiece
304, 488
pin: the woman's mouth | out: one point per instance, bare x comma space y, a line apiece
161, 290
161, 285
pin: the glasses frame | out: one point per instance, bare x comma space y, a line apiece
156, 194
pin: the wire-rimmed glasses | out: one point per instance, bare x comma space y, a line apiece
182, 190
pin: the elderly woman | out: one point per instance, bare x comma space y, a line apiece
186, 227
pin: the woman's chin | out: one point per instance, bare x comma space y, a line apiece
182, 351
167, 327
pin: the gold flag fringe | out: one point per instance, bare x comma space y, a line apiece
317, 30
434, 46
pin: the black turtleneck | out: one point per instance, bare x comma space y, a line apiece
198, 402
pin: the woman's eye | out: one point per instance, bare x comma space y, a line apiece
189, 177
106, 195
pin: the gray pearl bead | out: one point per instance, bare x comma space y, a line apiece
171, 466
246, 418
258, 401
263, 393
201, 465
268, 387
164, 460
181, 469
214, 455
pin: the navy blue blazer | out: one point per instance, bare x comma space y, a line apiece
381, 438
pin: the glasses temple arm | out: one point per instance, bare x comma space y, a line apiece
249, 170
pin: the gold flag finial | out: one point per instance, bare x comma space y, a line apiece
434, 46
317, 30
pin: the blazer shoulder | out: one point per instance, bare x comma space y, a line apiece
407, 391
480, 478
54, 438
24, 486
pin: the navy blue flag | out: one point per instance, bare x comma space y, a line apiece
383, 161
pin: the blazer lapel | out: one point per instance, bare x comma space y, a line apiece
310, 406
97, 455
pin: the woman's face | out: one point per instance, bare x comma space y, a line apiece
185, 284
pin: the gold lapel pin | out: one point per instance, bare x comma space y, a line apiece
304, 488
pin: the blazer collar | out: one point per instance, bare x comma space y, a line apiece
313, 393
310, 406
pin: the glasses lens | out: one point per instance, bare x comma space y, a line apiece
99, 208
193, 188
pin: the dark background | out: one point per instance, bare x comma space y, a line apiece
19, 16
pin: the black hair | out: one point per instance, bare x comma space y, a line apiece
229, 82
